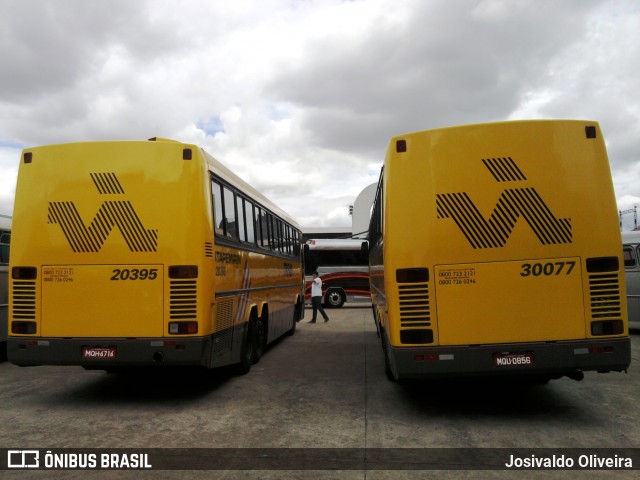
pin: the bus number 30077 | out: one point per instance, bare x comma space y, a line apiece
547, 269
135, 274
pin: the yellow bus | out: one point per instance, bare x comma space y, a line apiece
148, 253
5, 240
495, 250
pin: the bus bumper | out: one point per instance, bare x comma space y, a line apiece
107, 353
553, 360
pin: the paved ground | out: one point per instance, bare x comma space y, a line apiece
323, 388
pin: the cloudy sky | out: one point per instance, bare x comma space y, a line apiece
300, 97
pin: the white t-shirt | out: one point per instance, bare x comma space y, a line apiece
316, 287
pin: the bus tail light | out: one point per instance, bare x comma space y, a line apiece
602, 264
601, 349
183, 328
183, 271
607, 327
433, 357
416, 336
412, 275
23, 328
24, 273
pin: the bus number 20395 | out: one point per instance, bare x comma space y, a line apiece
134, 274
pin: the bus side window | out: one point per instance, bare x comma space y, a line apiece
231, 225
280, 239
248, 207
241, 225
629, 255
275, 235
259, 227
289, 236
296, 242
270, 234
375, 225
218, 218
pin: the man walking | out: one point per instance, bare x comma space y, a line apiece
316, 298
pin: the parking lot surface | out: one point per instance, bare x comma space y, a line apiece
316, 394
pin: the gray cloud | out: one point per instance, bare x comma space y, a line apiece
450, 63
301, 98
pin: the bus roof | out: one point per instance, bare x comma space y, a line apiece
631, 237
226, 174
335, 244
5, 222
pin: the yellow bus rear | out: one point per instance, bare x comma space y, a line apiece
116, 263
495, 250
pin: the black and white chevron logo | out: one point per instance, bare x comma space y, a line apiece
112, 213
494, 232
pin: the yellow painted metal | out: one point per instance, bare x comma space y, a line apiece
498, 302
493, 197
97, 207
99, 301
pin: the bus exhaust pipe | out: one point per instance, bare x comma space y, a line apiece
577, 375
158, 357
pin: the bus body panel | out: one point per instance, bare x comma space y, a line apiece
130, 303
102, 240
495, 314
550, 360
631, 244
128, 271
4, 303
5, 243
497, 234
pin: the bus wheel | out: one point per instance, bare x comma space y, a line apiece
388, 370
248, 350
260, 339
334, 298
296, 318
376, 321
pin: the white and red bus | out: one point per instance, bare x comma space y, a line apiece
343, 266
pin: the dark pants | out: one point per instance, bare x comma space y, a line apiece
316, 304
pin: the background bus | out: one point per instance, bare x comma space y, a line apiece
343, 266
501, 250
5, 239
146, 254
631, 252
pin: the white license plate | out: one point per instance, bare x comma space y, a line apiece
98, 353
513, 359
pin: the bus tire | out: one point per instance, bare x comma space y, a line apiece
388, 367
334, 298
248, 350
260, 339
376, 320
296, 319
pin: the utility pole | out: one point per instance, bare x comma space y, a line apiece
633, 210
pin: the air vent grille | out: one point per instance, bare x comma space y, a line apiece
183, 299
415, 310
224, 324
23, 300
604, 290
